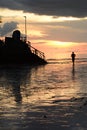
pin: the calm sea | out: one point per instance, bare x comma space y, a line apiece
49, 97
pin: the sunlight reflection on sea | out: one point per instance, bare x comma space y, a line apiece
44, 97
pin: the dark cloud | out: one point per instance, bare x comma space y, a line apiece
8, 27
76, 8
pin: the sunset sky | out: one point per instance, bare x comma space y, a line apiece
56, 27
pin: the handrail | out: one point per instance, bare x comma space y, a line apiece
35, 51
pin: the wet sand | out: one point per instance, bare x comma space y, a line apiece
47, 97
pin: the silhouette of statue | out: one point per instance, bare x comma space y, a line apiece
73, 55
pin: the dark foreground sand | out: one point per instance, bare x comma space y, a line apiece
59, 115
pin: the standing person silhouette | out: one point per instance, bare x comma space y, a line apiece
73, 55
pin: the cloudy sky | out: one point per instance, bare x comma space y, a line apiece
52, 25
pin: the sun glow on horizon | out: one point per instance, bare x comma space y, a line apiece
59, 44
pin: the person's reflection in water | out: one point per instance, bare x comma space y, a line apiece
73, 72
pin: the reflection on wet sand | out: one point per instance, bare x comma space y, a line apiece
46, 97
15, 79
73, 71
17, 93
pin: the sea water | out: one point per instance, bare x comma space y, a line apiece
47, 97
